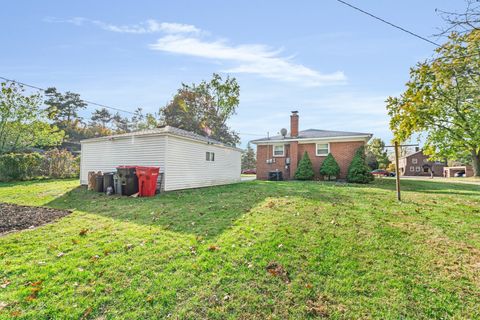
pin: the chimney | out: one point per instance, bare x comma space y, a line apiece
294, 124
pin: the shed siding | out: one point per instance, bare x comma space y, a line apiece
187, 166
106, 155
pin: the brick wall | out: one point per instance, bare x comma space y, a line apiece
342, 151
265, 152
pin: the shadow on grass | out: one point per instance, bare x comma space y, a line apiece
204, 212
426, 186
207, 212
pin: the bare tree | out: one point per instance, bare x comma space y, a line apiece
462, 22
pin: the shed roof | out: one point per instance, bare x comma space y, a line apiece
163, 131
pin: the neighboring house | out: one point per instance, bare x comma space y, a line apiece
282, 153
186, 159
417, 164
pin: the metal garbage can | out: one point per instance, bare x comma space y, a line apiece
128, 179
108, 181
99, 183
117, 184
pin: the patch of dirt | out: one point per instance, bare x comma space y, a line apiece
14, 217
323, 307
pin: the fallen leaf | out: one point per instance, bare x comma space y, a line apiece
277, 270
213, 248
3, 305
86, 313
5, 284
83, 232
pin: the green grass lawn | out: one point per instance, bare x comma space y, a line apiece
350, 251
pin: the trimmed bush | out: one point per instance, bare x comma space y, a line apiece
20, 166
305, 168
359, 171
329, 167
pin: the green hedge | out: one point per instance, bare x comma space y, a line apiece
27, 166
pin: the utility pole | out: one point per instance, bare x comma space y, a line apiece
397, 172
396, 147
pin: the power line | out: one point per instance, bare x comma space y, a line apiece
87, 101
389, 23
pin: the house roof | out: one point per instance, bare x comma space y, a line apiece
163, 131
314, 134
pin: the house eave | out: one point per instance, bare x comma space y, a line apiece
364, 138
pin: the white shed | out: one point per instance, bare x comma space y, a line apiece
187, 160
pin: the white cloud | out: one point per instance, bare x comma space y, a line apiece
253, 59
186, 39
145, 27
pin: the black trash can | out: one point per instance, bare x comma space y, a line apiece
275, 176
128, 179
99, 183
108, 181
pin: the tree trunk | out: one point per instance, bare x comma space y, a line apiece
476, 163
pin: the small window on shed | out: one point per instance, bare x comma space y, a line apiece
417, 169
412, 168
210, 156
414, 161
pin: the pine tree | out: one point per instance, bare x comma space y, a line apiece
329, 167
305, 168
358, 171
248, 158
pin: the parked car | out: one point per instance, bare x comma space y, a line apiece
459, 174
249, 171
382, 173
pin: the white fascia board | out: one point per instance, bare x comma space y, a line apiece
315, 140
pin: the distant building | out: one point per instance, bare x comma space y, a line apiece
417, 164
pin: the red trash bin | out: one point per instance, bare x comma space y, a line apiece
147, 180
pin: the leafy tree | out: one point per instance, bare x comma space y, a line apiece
305, 168
249, 160
101, 116
377, 156
442, 99
358, 171
329, 167
141, 121
23, 123
205, 108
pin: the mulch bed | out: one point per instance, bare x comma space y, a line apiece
14, 217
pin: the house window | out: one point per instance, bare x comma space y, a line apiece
210, 156
417, 169
412, 168
414, 161
425, 169
279, 150
323, 149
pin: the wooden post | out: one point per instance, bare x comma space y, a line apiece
397, 172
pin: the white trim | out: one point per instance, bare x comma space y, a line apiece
283, 150
322, 155
313, 140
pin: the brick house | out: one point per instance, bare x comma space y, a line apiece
417, 164
282, 153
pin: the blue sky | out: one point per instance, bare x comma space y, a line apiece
329, 62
